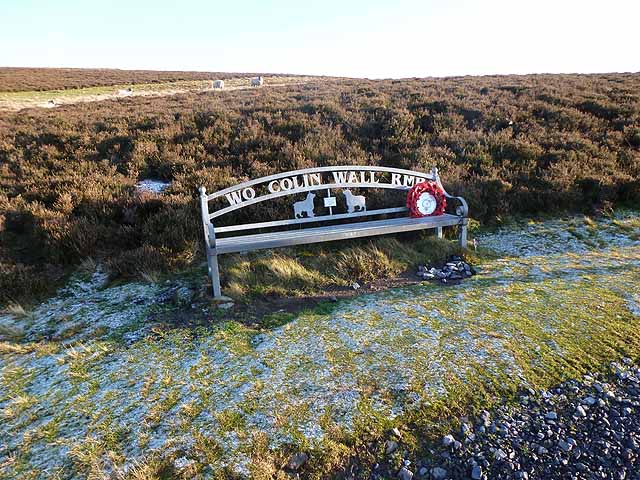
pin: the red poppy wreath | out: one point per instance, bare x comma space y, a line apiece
426, 199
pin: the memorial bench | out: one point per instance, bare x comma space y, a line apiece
339, 226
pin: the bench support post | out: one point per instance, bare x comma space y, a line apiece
214, 273
439, 232
210, 245
463, 234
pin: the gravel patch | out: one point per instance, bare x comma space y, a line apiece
583, 429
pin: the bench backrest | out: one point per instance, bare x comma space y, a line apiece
308, 181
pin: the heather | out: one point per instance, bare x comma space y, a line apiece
23, 79
511, 145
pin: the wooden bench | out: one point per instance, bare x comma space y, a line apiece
335, 225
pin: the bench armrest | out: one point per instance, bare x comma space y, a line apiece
463, 209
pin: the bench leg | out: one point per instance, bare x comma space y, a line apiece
214, 273
439, 232
463, 235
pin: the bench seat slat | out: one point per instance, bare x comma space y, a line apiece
247, 243
319, 218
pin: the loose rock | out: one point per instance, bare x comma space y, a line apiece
438, 473
453, 271
476, 472
182, 462
500, 455
405, 474
565, 446
297, 460
391, 447
545, 436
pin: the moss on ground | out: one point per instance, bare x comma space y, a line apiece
231, 400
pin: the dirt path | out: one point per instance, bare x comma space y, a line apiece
16, 101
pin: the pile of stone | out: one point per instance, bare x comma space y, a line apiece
452, 272
582, 429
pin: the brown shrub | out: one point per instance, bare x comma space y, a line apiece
16, 79
516, 144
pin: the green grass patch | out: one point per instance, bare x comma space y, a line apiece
333, 381
312, 269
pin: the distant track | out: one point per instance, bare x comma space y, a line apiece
17, 101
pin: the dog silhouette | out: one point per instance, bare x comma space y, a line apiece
305, 206
355, 203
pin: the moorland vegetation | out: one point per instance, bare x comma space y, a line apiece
22, 79
511, 145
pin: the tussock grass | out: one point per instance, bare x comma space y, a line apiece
366, 264
154, 468
13, 331
16, 310
88, 265
150, 276
40, 349
8, 347
310, 269
10, 332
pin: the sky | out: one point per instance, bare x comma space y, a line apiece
372, 39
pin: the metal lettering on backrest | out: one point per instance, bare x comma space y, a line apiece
321, 178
